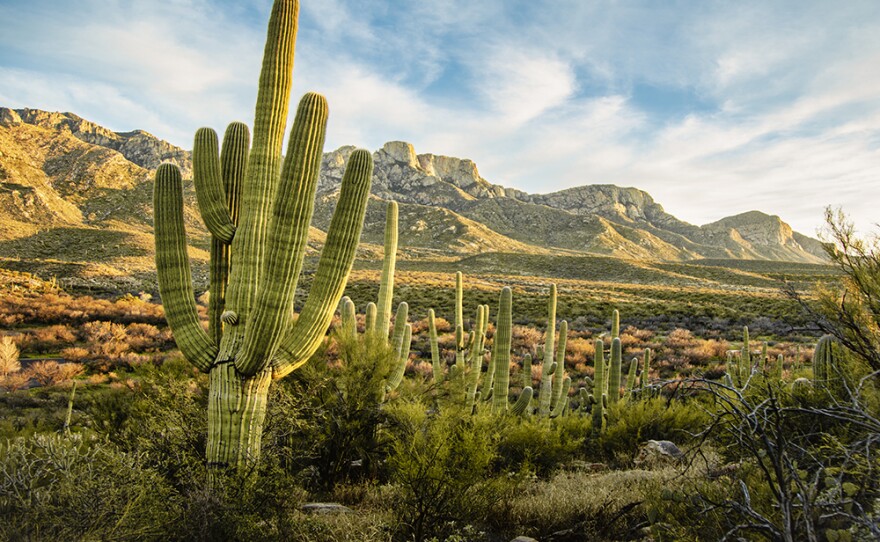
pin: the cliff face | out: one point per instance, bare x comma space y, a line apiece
605, 219
76, 199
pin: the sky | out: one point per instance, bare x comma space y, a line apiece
712, 107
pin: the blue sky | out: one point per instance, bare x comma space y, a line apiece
714, 108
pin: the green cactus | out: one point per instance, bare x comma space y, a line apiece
778, 367
522, 403
475, 363
745, 361
631, 377
436, 362
389, 263
501, 350
562, 401
615, 324
614, 378
600, 398
559, 374
259, 226
823, 361
545, 395
527, 371
401, 341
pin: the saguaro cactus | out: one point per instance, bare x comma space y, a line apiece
501, 351
259, 224
548, 367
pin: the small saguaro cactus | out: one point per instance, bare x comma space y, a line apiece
378, 315
600, 385
823, 361
501, 351
548, 367
614, 378
258, 211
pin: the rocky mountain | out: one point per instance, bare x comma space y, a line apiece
75, 202
600, 219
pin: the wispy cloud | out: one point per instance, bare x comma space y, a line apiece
712, 107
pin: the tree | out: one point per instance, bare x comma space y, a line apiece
850, 311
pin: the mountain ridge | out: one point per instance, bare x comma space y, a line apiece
65, 180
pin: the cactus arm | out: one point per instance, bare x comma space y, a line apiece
501, 350
348, 328
436, 364
475, 363
370, 319
599, 386
386, 283
288, 235
233, 160
208, 180
615, 324
459, 298
779, 361
400, 322
562, 400
172, 266
527, 371
631, 376
249, 246
334, 266
522, 403
402, 350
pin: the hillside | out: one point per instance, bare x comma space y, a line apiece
76, 203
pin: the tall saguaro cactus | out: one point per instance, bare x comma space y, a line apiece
258, 211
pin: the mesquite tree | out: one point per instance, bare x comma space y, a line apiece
258, 211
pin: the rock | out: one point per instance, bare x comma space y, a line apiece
658, 452
9, 117
524, 539
325, 508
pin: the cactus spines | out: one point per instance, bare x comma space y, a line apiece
616, 367
501, 350
401, 349
523, 401
545, 395
253, 277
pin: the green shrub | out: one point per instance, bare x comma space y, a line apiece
529, 443
442, 465
633, 423
54, 487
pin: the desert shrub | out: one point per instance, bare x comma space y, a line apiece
67, 488
704, 351
532, 444
8, 357
586, 506
679, 338
631, 423
76, 354
341, 423
48, 339
15, 381
45, 372
147, 337
442, 465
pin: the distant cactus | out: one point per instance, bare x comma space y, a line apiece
501, 351
545, 394
615, 375
258, 215
600, 398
